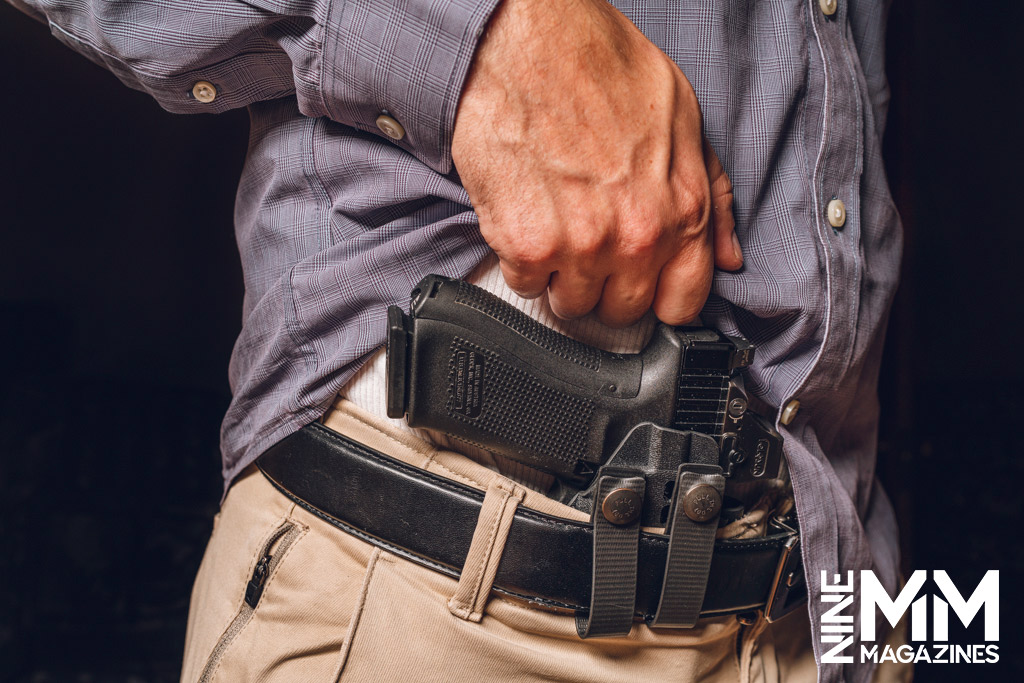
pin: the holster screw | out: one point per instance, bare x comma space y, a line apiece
702, 503
737, 406
621, 506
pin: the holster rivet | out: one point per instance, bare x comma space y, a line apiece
621, 506
702, 503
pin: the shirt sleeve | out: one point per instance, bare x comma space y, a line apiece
349, 60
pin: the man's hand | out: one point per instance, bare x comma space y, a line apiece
580, 145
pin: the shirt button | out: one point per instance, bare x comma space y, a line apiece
789, 412
828, 7
836, 213
204, 92
390, 127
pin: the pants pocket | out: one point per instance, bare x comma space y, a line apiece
268, 559
275, 594
291, 625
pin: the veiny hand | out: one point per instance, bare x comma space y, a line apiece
580, 145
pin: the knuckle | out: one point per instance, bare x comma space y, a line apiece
721, 199
590, 243
544, 251
529, 254
693, 205
722, 185
632, 301
626, 304
641, 237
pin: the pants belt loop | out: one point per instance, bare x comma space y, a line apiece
492, 527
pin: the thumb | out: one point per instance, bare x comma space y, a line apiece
728, 255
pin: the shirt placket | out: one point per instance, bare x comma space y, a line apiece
836, 185
835, 182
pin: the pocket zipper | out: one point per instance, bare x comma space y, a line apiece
283, 537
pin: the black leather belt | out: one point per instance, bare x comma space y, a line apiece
430, 520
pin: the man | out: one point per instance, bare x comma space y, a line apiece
587, 146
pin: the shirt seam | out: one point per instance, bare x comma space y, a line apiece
138, 70
321, 49
855, 302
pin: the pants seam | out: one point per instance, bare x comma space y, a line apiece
357, 613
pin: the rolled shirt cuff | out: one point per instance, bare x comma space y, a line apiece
406, 60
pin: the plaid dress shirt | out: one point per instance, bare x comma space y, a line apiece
335, 221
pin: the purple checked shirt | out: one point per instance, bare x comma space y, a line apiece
335, 220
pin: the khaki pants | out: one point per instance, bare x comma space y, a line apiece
335, 608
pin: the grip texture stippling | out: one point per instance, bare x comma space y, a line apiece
517, 409
548, 339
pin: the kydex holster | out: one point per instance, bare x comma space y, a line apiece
654, 439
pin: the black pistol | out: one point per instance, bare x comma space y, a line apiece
468, 364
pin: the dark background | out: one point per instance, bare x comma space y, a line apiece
120, 295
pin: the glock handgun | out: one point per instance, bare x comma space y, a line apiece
466, 363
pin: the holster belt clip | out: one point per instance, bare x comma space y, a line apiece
696, 507
617, 509
616, 542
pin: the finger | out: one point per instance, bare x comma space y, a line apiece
627, 296
684, 284
525, 269
571, 294
728, 255
528, 282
